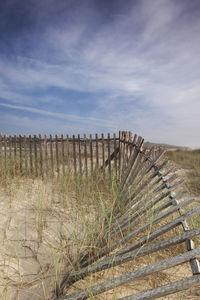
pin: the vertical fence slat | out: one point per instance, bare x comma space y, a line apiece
20, 153
35, 154
5, 151
57, 156
68, 152
30, 152
10, 148
51, 152
15, 154
1, 159
91, 153
74, 153
115, 153
103, 152
109, 159
25, 154
63, 153
79, 152
119, 163
41, 156
46, 154
97, 150
85, 154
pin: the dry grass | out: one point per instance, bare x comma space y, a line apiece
189, 160
45, 225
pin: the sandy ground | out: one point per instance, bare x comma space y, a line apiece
33, 222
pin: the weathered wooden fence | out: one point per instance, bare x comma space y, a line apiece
153, 206
41, 156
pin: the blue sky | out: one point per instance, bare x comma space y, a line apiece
75, 66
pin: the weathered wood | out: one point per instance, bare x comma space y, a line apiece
97, 150
91, 154
103, 152
35, 153
79, 153
63, 153
160, 231
109, 157
74, 154
1, 155
5, 151
10, 147
115, 153
57, 155
30, 154
145, 271
46, 154
85, 154
51, 153
25, 154
20, 153
114, 260
41, 155
68, 151
165, 290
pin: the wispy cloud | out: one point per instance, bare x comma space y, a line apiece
138, 66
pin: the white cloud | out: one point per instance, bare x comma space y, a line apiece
146, 64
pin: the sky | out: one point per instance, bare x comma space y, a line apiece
93, 66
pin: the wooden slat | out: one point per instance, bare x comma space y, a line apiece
74, 154
20, 153
85, 154
115, 153
30, 154
5, 152
103, 151
165, 290
91, 154
10, 154
79, 154
97, 150
145, 271
113, 260
68, 152
41, 155
63, 153
57, 155
1, 155
109, 158
35, 154
51, 153
25, 154
15, 153
46, 154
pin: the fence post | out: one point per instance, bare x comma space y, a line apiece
63, 154
74, 153
85, 153
46, 153
115, 153
97, 151
1, 160
51, 153
57, 158
31, 157
35, 152
41, 156
91, 153
79, 151
109, 160
25, 154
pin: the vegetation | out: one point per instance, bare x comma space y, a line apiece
189, 160
49, 223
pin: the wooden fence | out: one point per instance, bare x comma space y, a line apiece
41, 156
153, 206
